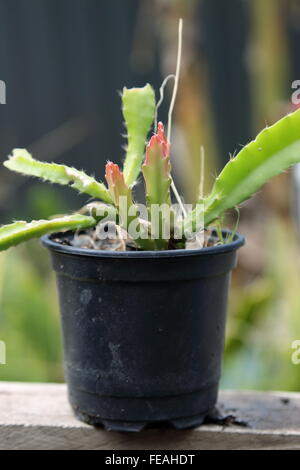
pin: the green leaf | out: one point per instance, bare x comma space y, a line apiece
157, 169
127, 210
156, 172
22, 162
18, 232
274, 150
138, 106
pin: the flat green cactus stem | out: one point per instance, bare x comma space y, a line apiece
138, 106
22, 162
274, 150
157, 169
127, 211
157, 175
18, 232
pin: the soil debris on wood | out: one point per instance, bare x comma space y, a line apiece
285, 401
226, 420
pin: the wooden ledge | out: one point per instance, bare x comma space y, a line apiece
38, 416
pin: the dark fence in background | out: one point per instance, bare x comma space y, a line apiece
63, 62
225, 27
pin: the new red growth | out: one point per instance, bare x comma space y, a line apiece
115, 180
158, 144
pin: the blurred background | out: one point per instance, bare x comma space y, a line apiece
64, 62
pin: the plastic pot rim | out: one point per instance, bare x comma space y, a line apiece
238, 241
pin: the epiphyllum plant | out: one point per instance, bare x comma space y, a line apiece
143, 330
274, 150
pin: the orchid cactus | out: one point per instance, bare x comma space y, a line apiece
274, 150
157, 175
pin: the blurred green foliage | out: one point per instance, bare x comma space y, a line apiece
264, 319
264, 307
29, 322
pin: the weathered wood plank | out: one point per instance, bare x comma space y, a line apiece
38, 416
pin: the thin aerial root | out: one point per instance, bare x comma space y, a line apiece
178, 198
161, 98
179, 50
202, 168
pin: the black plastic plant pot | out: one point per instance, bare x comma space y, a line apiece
143, 332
